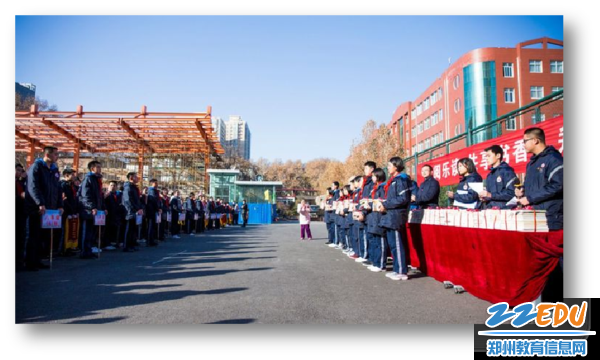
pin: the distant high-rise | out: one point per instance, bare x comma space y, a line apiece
220, 129
234, 135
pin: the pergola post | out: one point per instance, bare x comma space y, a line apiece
30, 154
141, 165
76, 159
206, 179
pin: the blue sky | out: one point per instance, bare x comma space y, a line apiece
305, 84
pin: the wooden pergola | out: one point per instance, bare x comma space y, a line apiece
142, 133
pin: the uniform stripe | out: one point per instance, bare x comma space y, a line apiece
402, 192
365, 252
510, 182
383, 257
399, 259
554, 172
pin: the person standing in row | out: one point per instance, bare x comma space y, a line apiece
377, 244
113, 220
428, 195
367, 192
153, 209
43, 193
245, 213
500, 182
465, 194
176, 208
92, 201
395, 215
133, 208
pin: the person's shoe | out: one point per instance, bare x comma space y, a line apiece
176, 237
375, 269
367, 263
309, 238
353, 256
332, 245
328, 243
360, 260
390, 274
399, 277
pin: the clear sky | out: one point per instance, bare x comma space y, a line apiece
305, 84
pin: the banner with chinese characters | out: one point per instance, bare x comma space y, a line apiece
445, 171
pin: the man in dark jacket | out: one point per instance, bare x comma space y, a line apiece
176, 208
543, 178
428, 195
113, 219
200, 212
245, 213
43, 193
190, 211
70, 202
500, 182
164, 209
153, 209
91, 200
133, 208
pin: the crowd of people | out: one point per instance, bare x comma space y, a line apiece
132, 215
366, 218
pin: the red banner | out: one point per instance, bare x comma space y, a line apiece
445, 170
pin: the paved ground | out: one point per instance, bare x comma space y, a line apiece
260, 274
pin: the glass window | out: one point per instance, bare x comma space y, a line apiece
555, 89
456, 82
441, 115
556, 66
427, 144
509, 95
419, 109
535, 66
434, 119
456, 105
426, 123
537, 92
511, 123
441, 137
426, 103
536, 119
413, 113
440, 93
507, 69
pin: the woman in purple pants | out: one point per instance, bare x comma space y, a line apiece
304, 217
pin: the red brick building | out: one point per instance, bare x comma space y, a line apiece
481, 86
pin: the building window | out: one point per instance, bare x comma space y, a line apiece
420, 128
456, 82
413, 113
509, 95
413, 131
426, 123
456, 105
427, 144
414, 149
434, 119
507, 69
441, 137
419, 109
434, 140
441, 115
511, 123
426, 103
537, 92
433, 97
556, 89
535, 66
439, 93
556, 66
457, 130
536, 119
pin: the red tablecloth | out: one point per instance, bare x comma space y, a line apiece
494, 265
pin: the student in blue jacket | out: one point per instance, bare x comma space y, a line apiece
377, 241
543, 178
395, 215
468, 172
500, 182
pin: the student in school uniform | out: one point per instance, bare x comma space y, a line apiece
465, 194
377, 242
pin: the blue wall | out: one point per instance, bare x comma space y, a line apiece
259, 213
